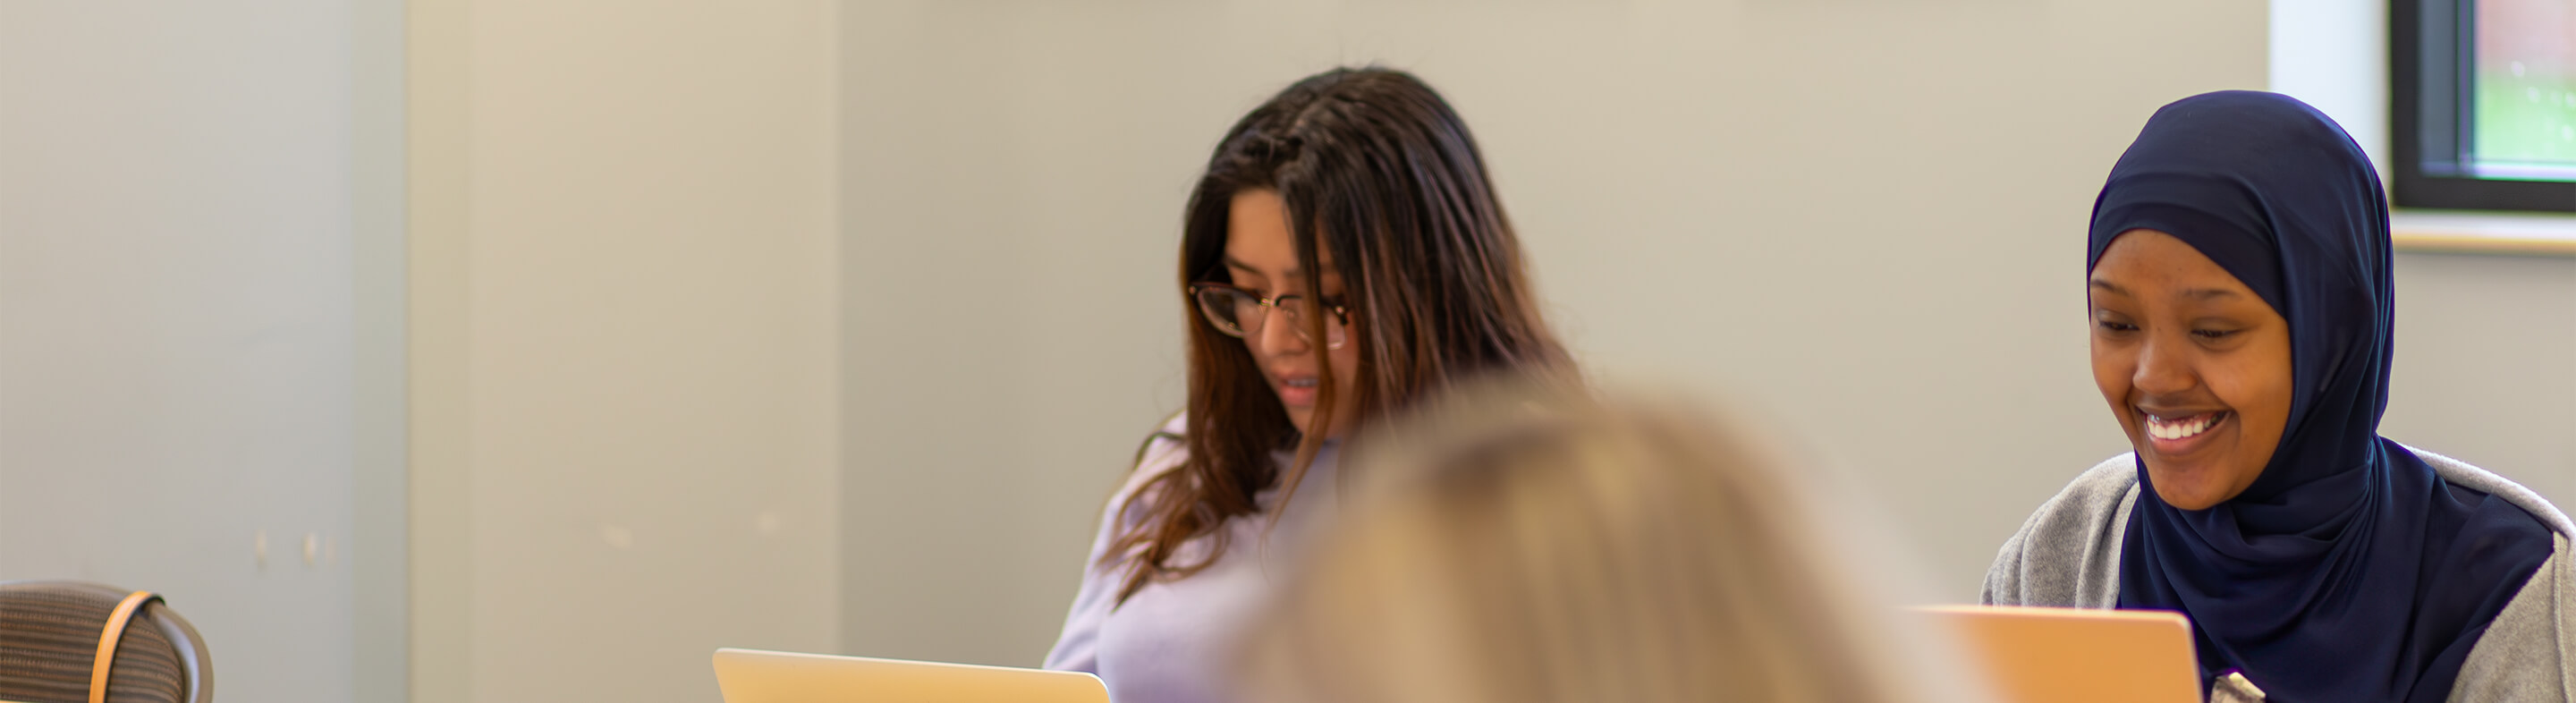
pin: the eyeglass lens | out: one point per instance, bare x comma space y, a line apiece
1240, 314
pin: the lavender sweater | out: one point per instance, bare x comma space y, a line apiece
1174, 641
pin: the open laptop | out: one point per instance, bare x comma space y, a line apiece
754, 676
2036, 655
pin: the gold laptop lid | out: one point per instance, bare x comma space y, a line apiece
754, 676
2048, 655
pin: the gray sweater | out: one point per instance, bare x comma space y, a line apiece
2068, 555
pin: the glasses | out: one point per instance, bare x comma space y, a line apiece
1239, 313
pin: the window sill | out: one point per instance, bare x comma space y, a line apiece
2464, 231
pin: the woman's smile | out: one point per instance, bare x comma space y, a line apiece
2176, 435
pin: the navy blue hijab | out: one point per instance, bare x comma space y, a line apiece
2348, 571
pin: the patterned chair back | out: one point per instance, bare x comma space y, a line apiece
52, 634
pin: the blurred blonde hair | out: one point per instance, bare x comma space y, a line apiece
1514, 544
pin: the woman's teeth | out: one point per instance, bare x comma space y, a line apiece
1299, 383
2182, 427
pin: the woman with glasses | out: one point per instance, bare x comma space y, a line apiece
1343, 255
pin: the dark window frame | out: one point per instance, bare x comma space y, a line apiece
2431, 72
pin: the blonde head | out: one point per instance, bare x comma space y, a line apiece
1517, 545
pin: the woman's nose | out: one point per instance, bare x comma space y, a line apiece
2163, 367
1278, 334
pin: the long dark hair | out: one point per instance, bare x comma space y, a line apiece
1376, 169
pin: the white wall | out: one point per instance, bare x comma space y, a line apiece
183, 367
2333, 54
1865, 218
623, 282
807, 325
2484, 342
2486, 360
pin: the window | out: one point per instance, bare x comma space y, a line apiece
2485, 104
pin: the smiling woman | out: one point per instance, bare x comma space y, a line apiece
1343, 256
2241, 314
2196, 368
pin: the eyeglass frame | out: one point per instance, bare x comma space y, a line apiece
1341, 313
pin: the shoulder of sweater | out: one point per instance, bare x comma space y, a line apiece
2522, 656
1163, 448
2099, 490
2081, 510
2461, 473
2085, 512
2064, 553
1162, 451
